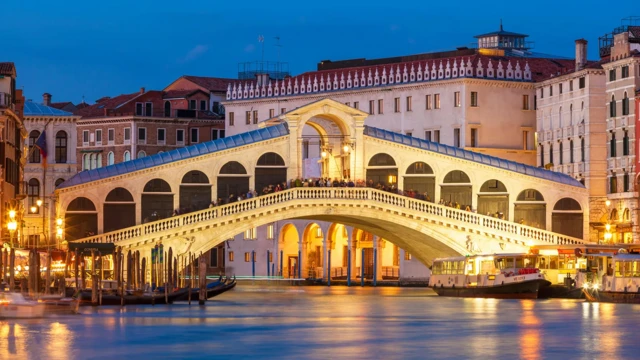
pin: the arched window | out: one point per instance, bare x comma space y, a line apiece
270, 159
560, 117
382, 160
614, 215
561, 152
625, 104
530, 195
571, 114
419, 168
141, 154
127, 156
33, 192
233, 167
119, 195
493, 186
94, 161
61, 147
81, 204
34, 152
626, 215
567, 204
157, 185
571, 151
167, 109
195, 177
456, 177
612, 106
58, 182
110, 158
86, 162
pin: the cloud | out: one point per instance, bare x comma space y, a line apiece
194, 53
249, 48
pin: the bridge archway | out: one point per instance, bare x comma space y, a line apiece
456, 189
382, 170
420, 178
313, 249
493, 198
288, 246
270, 170
195, 191
233, 179
81, 219
119, 210
157, 200
530, 209
567, 218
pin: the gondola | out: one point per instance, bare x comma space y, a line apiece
213, 290
130, 299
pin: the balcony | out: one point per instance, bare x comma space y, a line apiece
568, 131
611, 163
581, 129
548, 136
5, 100
622, 122
558, 133
611, 124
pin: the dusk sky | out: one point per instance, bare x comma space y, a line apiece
95, 49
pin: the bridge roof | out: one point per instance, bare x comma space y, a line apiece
186, 152
472, 156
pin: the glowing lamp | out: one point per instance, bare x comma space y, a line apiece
346, 148
608, 203
323, 154
34, 209
59, 231
59, 221
39, 202
608, 227
12, 214
12, 226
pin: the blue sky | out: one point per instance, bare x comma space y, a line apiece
88, 48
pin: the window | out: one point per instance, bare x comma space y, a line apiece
582, 149
551, 153
613, 184
456, 137
396, 105
371, 107
409, 105
110, 158
192, 104
570, 85
581, 83
612, 145
625, 144
213, 258
474, 137
356, 105
624, 72
410, 134
232, 118
625, 104
250, 234
139, 109
525, 102
141, 154
180, 137
33, 192
571, 151
148, 109
474, 99
214, 134
612, 106
85, 138
167, 109
427, 135
456, 99
247, 257
436, 101
194, 135
203, 105
98, 137
561, 153
231, 257
436, 136
550, 90
525, 140
541, 93
142, 135
625, 182
127, 135
541, 149
560, 88
283, 110
161, 136
111, 133
247, 118
380, 106
34, 152
61, 147
427, 100
407, 255
255, 116
126, 156
535, 102
270, 232
221, 134
272, 113
612, 75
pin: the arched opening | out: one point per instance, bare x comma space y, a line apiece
338, 243
34, 152
126, 156
530, 209
326, 150
382, 171
110, 158
626, 217
141, 154
61, 147
167, 109
270, 170
312, 240
80, 219
493, 199
233, 180
614, 215
567, 218
421, 179
58, 182
157, 201
288, 251
33, 194
456, 189
119, 210
195, 191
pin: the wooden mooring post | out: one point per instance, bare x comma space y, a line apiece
202, 270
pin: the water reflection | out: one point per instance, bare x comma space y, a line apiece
530, 344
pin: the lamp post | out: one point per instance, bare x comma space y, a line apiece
607, 227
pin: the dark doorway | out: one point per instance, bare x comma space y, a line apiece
157, 201
119, 210
195, 191
81, 219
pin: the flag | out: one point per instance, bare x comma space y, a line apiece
41, 143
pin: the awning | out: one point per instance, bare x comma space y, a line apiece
86, 248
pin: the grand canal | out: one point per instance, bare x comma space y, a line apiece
336, 322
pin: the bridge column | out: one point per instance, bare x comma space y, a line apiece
512, 209
101, 220
302, 250
377, 261
351, 265
295, 150
474, 196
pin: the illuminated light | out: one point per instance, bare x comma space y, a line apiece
59, 231
324, 154
39, 202
12, 214
59, 221
12, 226
608, 227
608, 203
530, 243
34, 209
346, 148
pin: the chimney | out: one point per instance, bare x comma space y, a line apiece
581, 54
141, 90
46, 99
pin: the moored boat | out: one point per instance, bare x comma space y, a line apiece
15, 306
503, 276
615, 280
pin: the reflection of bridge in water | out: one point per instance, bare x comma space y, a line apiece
121, 202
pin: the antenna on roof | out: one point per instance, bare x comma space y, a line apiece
261, 41
278, 46
500, 24
83, 99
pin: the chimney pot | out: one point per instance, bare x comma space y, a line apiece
581, 54
142, 90
46, 99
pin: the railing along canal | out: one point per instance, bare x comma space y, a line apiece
356, 194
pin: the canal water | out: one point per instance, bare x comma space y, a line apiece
332, 323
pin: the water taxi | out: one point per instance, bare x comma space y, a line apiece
616, 279
14, 306
503, 276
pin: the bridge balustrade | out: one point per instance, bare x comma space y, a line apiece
486, 223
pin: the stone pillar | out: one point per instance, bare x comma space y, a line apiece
100, 219
302, 250
512, 210
358, 165
474, 196
351, 246
295, 146
377, 244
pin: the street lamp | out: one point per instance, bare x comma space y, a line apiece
607, 235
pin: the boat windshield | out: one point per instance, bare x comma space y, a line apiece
517, 262
627, 268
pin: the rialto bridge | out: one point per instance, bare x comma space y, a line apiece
490, 205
